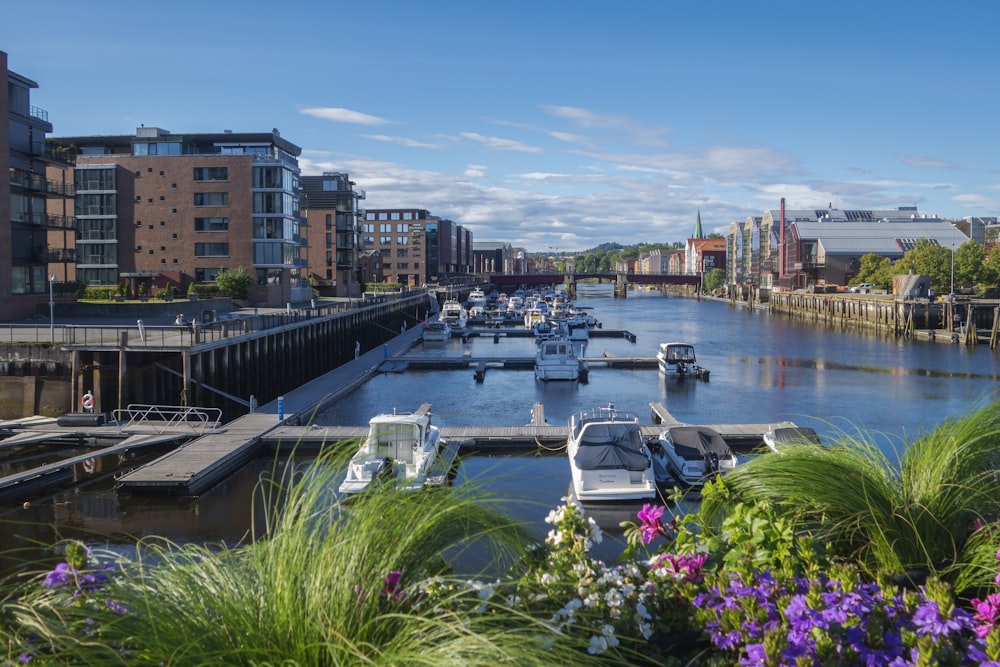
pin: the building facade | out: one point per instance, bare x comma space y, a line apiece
787, 249
36, 194
416, 247
157, 210
331, 207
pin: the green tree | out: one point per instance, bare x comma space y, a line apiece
928, 259
876, 270
969, 264
714, 279
235, 282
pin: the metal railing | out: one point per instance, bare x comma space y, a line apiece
163, 418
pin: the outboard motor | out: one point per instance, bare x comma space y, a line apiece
712, 462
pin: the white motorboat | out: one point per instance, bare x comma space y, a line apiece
555, 359
695, 454
679, 359
436, 332
533, 316
399, 449
454, 314
608, 459
789, 435
577, 328
477, 297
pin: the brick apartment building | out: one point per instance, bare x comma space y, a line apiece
36, 195
174, 209
331, 208
415, 247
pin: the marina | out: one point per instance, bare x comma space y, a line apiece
765, 371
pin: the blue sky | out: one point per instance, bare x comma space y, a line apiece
555, 125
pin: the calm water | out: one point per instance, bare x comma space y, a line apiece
763, 369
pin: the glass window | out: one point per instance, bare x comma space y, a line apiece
211, 199
402, 240
211, 224
385, 228
385, 240
211, 249
407, 215
403, 228
211, 173
383, 216
207, 275
394, 216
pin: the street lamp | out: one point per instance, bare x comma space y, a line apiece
52, 310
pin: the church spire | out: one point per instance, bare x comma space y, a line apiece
697, 227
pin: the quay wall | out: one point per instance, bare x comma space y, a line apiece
222, 366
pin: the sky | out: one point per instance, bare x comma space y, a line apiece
555, 126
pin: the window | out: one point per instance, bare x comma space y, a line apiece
268, 276
207, 275
403, 228
211, 249
367, 229
408, 216
211, 199
402, 240
394, 216
211, 224
383, 216
329, 220
211, 173
402, 252
385, 229
385, 240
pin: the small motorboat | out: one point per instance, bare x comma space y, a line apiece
679, 359
399, 449
789, 435
608, 458
436, 332
555, 359
695, 454
454, 313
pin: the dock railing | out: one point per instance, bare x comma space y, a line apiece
164, 418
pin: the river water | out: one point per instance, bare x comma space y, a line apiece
763, 369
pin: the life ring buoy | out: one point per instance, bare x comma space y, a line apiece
87, 401
89, 465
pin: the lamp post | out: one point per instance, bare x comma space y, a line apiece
52, 309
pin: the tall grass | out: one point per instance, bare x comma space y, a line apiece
312, 591
932, 513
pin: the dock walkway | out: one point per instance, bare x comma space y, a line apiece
203, 462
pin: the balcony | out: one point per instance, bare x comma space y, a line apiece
38, 183
39, 219
39, 113
61, 255
49, 153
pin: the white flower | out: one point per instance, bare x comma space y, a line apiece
548, 579
595, 531
598, 645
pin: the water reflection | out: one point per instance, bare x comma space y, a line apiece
763, 369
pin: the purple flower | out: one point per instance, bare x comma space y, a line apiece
650, 516
928, 621
61, 575
987, 613
392, 587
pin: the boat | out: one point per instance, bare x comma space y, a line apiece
608, 459
436, 332
455, 314
533, 316
555, 359
577, 328
787, 434
477, 297
399, 448
695, 454
679, 359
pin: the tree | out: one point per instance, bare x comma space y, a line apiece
928, 259
876, 270
714, 279
235, 282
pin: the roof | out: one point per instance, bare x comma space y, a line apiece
885, 238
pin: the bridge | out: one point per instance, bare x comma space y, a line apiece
513, 280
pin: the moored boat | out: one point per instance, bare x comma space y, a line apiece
436, 332
789, 435
679, 359
399, 448
608, 459
695, 454
455, 314
555, 359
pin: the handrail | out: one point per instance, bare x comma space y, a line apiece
167, 417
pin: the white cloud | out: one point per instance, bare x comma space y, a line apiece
340, 115
500, 143
924, 161
475, 171
401, 141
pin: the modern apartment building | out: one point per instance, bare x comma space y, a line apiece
331, 208
165, 209
36, 192
416, 247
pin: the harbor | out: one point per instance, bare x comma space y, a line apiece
764, 370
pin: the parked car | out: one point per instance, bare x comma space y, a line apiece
863, 287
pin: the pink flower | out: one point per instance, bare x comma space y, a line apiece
650, 516
987, 612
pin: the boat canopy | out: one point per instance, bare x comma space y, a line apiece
794, 435
693, 442
677, 352
611, 446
